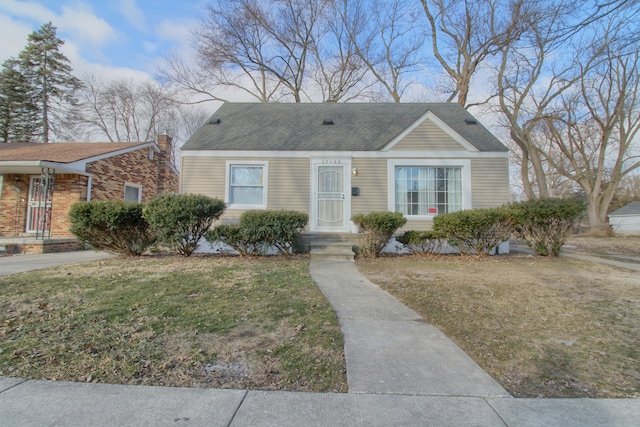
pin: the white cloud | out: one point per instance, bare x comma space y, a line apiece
28, 9
13, 35
176, 32
149, 47
105, 72
77, 23
132, 13
84, 25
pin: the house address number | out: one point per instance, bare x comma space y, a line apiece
331, 162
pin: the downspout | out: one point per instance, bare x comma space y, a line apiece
89, 184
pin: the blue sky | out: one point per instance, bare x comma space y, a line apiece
109, 38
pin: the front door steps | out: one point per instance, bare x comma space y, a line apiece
337, 246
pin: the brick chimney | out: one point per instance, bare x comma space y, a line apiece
167, 179
165, 143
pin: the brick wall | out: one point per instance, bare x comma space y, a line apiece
69, 189
13, 205
133, 168
110, 175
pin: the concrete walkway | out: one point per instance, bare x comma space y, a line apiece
401, 372
390, 348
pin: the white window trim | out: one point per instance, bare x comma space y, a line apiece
391, 180
265, 183
128, 184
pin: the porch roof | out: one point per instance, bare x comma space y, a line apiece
67, 157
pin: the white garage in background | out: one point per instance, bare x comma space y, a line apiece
626, 220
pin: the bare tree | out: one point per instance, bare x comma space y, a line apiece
338, 71
124, 110
596, 135
466, 34
388, 37
530, 78
261, 48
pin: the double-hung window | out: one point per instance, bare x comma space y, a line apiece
246, 185
423, 190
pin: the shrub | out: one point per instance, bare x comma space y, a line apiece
475, 231
180, 220
235, 236
544, 224
378, 228
427, 242
279, 229
113, 226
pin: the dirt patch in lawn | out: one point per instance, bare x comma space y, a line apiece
541, 327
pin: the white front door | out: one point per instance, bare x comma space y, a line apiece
330, 206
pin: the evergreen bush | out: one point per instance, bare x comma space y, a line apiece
475, 231
112, 226
235, 236
378, 228
181, 220
279, 229
428, 242
544, 224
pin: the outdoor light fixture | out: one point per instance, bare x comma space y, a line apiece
354, 171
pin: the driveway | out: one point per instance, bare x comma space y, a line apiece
12, 264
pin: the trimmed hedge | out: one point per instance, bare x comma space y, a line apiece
112, 226
235, 236
475, 231
181, 220
378, 228
544, 224
279, 229
429, 242
259, 230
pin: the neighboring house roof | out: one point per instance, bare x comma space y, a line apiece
632, 208
356, 126
63, 156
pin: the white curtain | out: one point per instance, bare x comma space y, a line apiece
422, 190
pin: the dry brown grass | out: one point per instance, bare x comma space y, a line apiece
625, 245
541, 327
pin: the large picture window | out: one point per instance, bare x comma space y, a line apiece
427, 190
246, 185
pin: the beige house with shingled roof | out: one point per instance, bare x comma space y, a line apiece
334, 160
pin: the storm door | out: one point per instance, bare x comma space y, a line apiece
330, 208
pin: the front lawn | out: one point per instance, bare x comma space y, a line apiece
541, 327
203, 321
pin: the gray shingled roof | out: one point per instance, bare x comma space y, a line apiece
298, 127
632, 208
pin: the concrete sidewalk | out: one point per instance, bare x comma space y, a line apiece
38, 403
401, 372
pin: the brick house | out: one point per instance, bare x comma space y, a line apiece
40, 182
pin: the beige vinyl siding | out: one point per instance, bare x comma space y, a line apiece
289, 181
490, 181
372, 182
428, 136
